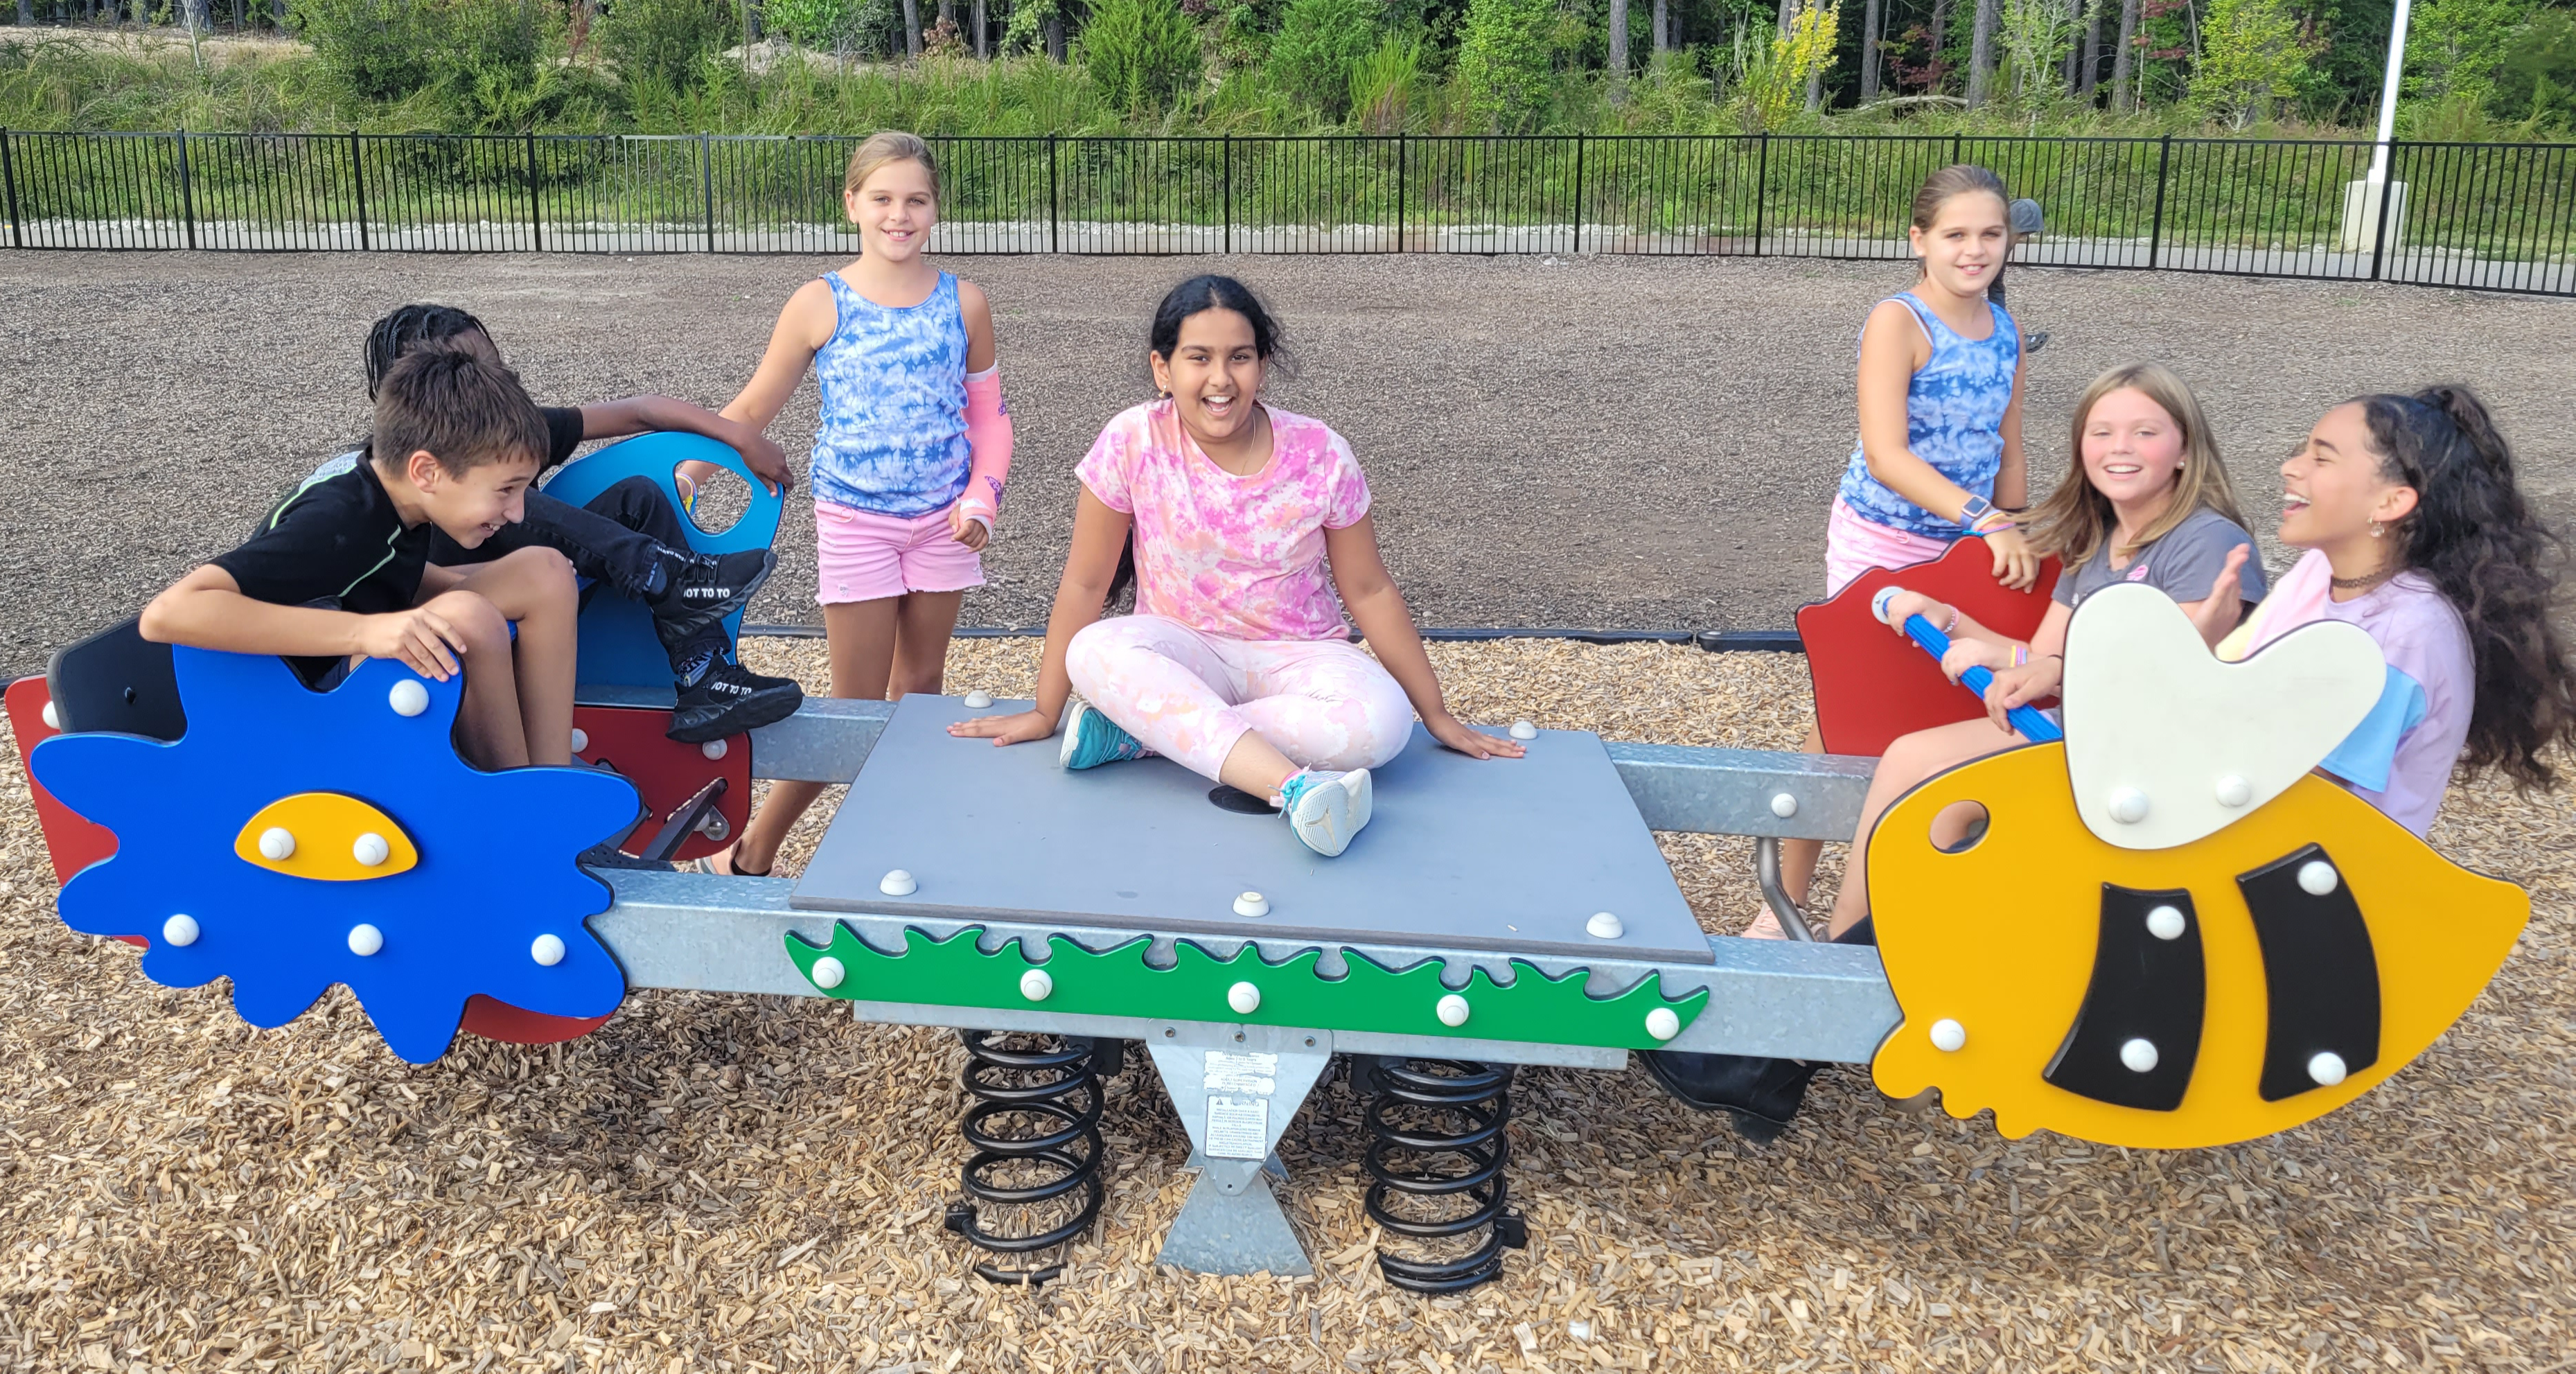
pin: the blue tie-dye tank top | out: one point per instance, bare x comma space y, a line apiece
893, 437
1954, 420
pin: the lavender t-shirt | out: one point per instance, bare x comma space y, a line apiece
2400, 758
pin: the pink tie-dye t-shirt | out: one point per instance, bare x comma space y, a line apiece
1241, 557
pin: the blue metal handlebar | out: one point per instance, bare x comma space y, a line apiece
2029, 720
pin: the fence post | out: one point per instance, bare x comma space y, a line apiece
1053, 246
1229, 193
358, 180
1578, 195
9, 174
187, 191
707, 186
1761, 189
2379, 239
2156, 229
536, 227
1403, 163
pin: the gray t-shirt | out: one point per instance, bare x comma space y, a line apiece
2181, 565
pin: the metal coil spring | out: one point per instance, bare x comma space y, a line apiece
1453, 1117
1031, 1148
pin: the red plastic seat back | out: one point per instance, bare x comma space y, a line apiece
1873, 684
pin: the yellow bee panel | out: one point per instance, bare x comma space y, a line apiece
1995, 946
327, 836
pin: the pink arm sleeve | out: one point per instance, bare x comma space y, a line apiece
988, 440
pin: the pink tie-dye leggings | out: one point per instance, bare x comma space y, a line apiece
1190, 695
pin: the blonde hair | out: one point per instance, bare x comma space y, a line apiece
2077, 519
888, 147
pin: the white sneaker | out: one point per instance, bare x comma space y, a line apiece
1327, 810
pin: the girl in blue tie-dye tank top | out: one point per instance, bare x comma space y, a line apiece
910, 457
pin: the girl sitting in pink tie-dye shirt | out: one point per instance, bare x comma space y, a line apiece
1237, 663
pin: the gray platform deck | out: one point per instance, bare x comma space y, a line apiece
1502, 854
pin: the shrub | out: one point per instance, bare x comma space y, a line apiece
1142, 54
2538, 81
666, 40
1320, 44
1503, 62
2253, 54
1386, 84
376, 49
491, 59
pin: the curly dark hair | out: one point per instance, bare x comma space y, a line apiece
407, 327
2473, 534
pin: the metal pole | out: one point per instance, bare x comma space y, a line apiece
1403, 164
2156, 231
536, 229
1052, 244
2388, 98
1229, 192
2379, 235
1761, 188
9, 173
187, 191
707, 186
1578, 194
358, 179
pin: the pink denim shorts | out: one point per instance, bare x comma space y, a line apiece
1854, 545
864, 556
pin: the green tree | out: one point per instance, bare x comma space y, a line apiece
1142, 54
2537, 82
2455, 47
1319, 45
666, 41
1503, 62
2252, 53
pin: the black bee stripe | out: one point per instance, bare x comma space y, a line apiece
2145, 987
2321, 971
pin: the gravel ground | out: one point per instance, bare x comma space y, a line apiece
739, 1184
1646, 444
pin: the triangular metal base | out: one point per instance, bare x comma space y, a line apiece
1243, 1234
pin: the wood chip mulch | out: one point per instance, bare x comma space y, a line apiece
743, 1184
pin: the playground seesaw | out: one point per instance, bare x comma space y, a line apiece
2153, 942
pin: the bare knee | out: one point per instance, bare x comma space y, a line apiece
546, 575
475, 620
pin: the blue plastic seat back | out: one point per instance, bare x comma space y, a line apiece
618, 647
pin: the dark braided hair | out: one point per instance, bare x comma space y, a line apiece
2472, 533
408, 327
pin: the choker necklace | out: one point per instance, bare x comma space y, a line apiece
2367, 580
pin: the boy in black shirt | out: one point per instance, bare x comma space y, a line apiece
629, 536
340, 569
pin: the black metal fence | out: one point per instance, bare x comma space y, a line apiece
2489, 216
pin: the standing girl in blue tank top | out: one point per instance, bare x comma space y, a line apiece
1939, 456
909, 460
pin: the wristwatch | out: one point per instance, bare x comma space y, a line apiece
1977, 509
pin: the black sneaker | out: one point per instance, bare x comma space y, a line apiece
2038, 341
1760, 1095
709, 588
729, 700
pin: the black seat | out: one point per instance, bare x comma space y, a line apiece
116, 680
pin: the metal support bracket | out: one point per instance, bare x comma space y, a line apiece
1236, 1088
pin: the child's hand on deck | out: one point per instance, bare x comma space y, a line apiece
763, 456
2020, 687
966, 529
2015, 565
1001, 730
420, 637
1475, 744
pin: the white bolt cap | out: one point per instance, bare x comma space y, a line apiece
828, 973
179, 930
2234, 791
371, 849
365, 939
1878, 602
1662, 1024
547, 950
1604, 926
1037, 985
2166, 923
276, 844
2128, 806
580, 740
898, 883
1783, 805
53, 718
1252, 904
2317, 877
408, 698
2140, 1056
1948, 1036
1522, 729
978, 699
1244, 998
1452, 1010
714, 748
2327, 1068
